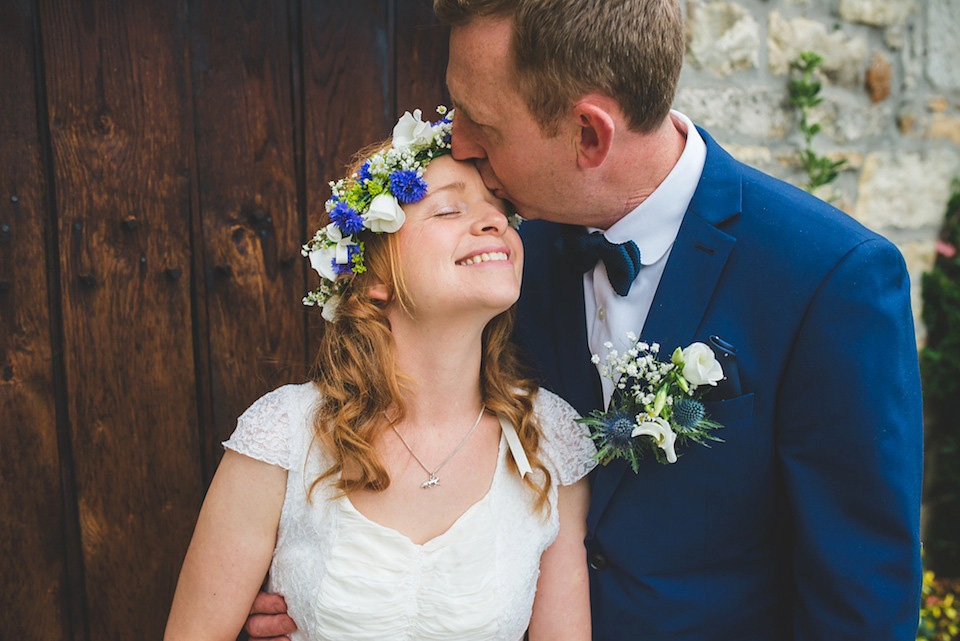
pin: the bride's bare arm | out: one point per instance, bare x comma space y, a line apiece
230, 551
561, 609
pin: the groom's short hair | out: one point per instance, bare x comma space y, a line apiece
629, 50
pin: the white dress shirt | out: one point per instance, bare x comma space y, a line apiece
653, 225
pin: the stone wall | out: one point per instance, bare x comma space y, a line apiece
891, 107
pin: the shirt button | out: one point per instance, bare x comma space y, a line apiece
602, 314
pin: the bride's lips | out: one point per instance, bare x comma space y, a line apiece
485, 255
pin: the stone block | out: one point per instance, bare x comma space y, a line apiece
879, 77
846, 117
722, 37
879, 13
844, 55
754, 111
938, 103
943, 43
903, 190
753, 155
945, 126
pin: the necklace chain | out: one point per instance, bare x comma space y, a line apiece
432, 480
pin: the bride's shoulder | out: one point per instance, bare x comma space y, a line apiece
566, 442
284, 400
551, 408
268, 428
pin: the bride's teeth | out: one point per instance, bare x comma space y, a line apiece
469, 261
485, 256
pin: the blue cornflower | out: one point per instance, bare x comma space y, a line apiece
407, 186
346, 218
347, 267
364, 172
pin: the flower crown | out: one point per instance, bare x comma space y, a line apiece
370, 200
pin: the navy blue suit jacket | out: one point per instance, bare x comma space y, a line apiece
804, 523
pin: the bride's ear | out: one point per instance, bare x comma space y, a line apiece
596, 129
379, 291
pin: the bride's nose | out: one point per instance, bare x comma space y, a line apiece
490, 221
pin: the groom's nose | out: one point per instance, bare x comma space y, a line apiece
465, 142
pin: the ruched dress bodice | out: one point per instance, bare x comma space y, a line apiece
348, 578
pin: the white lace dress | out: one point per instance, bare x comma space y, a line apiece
347, 578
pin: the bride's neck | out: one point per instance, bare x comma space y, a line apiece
441, 364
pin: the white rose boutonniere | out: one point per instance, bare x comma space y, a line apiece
411, 130
384, 215
656, 407
700, 365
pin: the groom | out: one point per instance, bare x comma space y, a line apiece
804, 522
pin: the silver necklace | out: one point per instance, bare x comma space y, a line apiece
433, 481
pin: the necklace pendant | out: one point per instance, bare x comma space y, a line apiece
433, 481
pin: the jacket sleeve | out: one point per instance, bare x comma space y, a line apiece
850, 446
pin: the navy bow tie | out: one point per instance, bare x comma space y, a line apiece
622, 260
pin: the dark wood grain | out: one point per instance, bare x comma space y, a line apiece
32, 548
115, 82
241, 75
422, 46
348, 89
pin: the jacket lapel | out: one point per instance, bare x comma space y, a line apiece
578, 377
693, 270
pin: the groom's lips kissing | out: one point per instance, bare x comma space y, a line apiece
485, 255
490, 180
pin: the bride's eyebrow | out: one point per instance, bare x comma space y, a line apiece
457, 185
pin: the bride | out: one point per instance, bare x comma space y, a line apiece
419, 487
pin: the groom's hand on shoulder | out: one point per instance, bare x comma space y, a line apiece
268, 620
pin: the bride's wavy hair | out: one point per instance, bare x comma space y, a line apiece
361, 386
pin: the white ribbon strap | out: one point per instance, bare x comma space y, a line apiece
343, 253
513, 442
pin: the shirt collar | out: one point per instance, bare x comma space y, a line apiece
654, 223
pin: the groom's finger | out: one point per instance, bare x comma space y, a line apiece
265, 603
269, 626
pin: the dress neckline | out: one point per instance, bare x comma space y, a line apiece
346, 504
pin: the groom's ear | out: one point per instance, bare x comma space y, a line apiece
596, 129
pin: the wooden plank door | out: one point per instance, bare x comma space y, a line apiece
117, 97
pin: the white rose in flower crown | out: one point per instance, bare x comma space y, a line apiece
322, 261
410, 130
700, 365
661, 432
384, 215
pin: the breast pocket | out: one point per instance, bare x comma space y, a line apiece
730, 410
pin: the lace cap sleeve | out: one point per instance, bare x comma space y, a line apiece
263, 430
566, 446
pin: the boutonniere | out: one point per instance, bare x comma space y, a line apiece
656, 405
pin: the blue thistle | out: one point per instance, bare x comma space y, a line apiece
407, 186
346, 218
617, 429
688, 412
